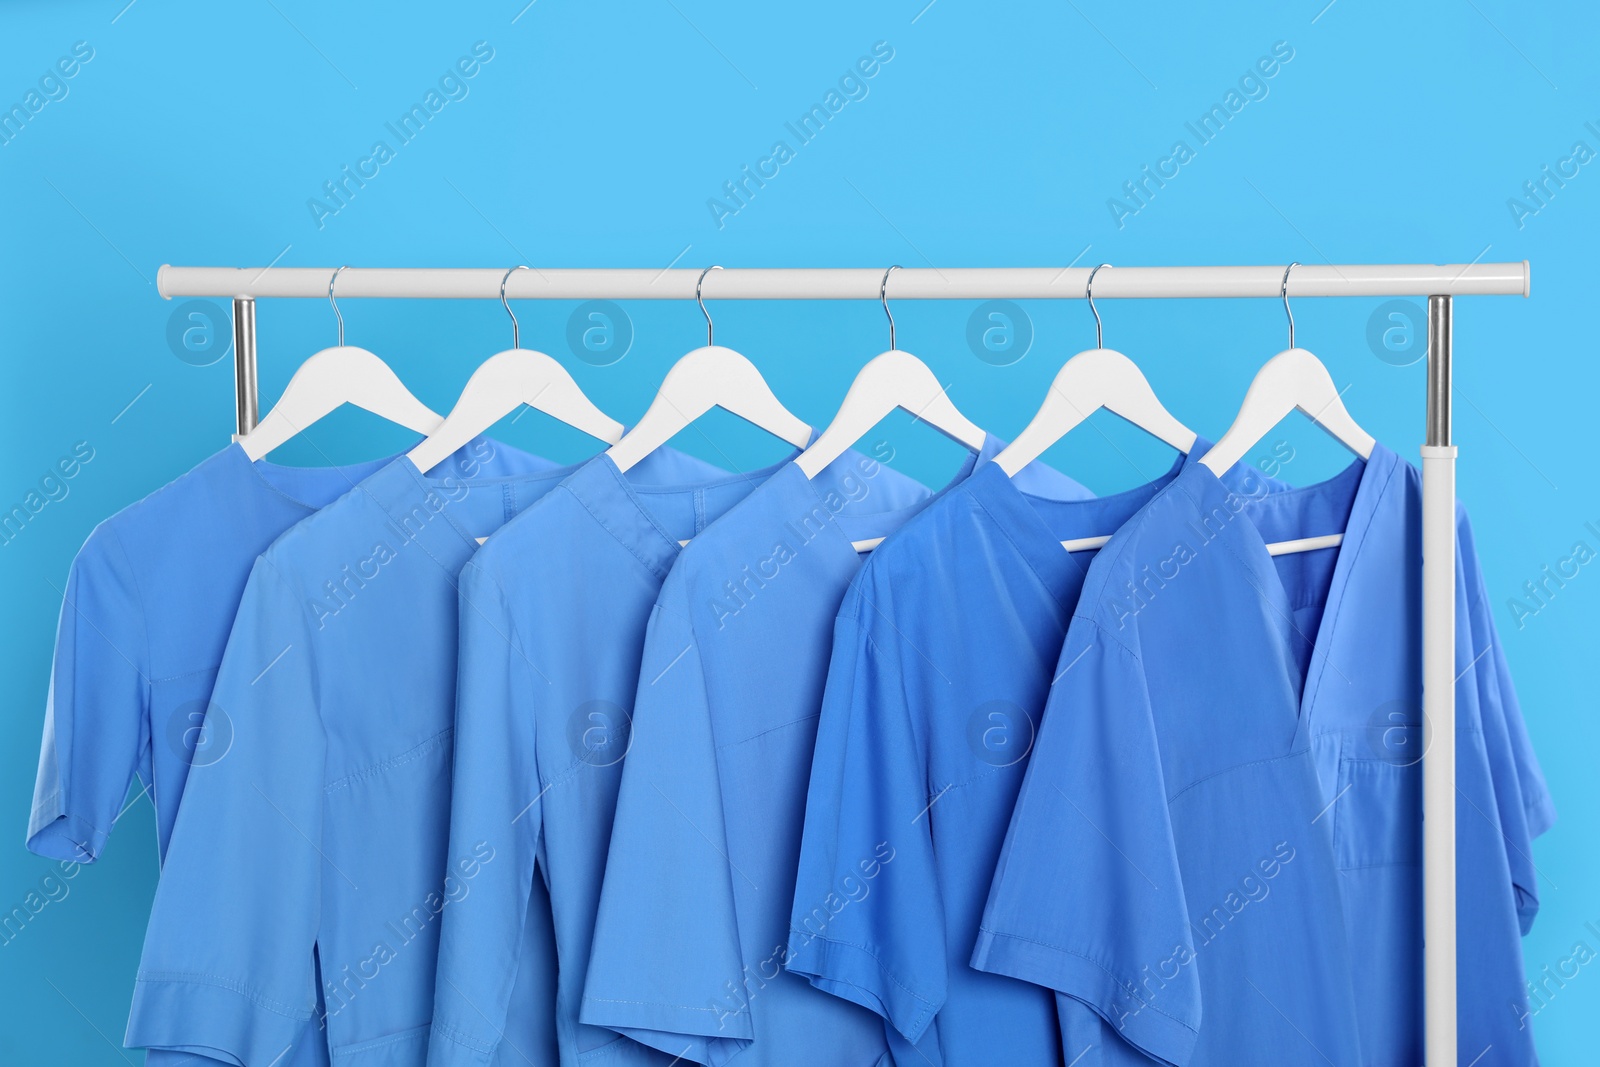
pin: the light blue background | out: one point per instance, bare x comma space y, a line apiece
594, 138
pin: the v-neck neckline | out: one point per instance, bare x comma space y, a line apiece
505, 483
293, 483
1018, 513
880, 524
653, 538
1377, 471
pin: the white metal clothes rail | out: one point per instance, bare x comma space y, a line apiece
1438, 283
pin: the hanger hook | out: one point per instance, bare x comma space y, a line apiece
516, 332
701, 300
1088, 292
337, 314
1285, 294
883, 298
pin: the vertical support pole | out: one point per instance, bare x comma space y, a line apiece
1439, 700
244, 365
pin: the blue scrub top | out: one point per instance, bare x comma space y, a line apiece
1367, 738
689, 943
553, 615
1199, 811
148, 605
943, 652
1364, 708
316, 847
149, 602
1166, 870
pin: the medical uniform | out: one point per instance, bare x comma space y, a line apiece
149, 602
316, 850
1168, 865
692, 933
1365, 713
553, 614
944, 650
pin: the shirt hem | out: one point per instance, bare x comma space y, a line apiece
449, 1047
58, 834
705, 1035
856, 974
199, 1011
1163, 1037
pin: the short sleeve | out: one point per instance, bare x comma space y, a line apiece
1087, 897
1521, 796
868, 920
665, 966
228, 965
96, 725
494, 810
1534, 793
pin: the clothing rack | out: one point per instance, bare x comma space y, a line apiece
1438, 283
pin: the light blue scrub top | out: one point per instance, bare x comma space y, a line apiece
943, 653
1167, 864
1365, 712
689, 943
315, 848
553, 614
149, 602
1166, 870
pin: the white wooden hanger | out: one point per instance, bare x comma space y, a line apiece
505, 382
333, 377
1292, 379
1097, 378
892, 380
706, 378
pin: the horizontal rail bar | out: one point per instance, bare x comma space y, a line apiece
958, 283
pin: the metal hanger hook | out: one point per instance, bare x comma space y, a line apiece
883, 298
1088, 292
701, 300
336, 312
1285, 294
516, 331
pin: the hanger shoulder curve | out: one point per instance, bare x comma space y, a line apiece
332, 377
1293, 379
893, 379
501, 384
708, 377
1091, 380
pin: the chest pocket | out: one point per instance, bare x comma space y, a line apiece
1377, 813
